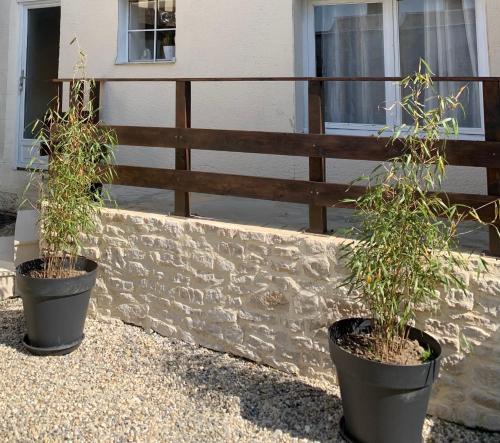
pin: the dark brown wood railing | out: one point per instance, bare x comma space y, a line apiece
317, 146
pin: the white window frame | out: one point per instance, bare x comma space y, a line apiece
123, 37
392, 63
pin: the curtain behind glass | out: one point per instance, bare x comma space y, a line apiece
443, 32
350, 43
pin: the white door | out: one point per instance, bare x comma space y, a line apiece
39, 66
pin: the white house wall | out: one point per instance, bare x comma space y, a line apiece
214, 38
4, 49
10, 180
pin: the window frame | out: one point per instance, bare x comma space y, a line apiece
123, 36
392, 64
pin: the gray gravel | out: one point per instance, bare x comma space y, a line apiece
7, 224
7, 230
125, 385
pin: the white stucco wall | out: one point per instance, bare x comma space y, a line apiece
214, 38
11, 180
4, 48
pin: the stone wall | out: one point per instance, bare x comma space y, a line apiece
268, 295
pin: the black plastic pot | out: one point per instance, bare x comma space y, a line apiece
55, 309
382, 403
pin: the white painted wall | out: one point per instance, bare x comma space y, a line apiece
11, 180
4, 48
214, 38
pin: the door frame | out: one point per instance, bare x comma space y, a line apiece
24, 7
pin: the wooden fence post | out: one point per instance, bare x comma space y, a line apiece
317, 165
60, 97
182, 151
95, 100
491, 97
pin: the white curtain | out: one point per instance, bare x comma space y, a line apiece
451, 50
350, 43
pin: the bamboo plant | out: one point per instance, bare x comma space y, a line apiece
69, 200
405, 248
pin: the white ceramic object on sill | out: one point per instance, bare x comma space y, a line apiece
169, 52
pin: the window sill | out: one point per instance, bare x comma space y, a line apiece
147, 62
346, 129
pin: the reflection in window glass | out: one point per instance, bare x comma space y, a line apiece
141, 15
141, 46
151, 30
165, 45
350, 43
166, 14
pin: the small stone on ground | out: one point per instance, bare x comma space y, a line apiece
126, 385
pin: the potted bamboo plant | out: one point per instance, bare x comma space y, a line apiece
402, 254
55, 289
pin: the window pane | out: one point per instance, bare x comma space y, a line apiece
350, 43
141, 14
166, 14
444, 34
140, 46
165, 45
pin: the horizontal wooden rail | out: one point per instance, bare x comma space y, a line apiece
264, 188
458, 152
315, 146
281, 79
261, 188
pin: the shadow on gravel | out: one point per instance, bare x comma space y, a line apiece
12, 328
268, 398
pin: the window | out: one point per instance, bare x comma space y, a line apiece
365, 38
150, 31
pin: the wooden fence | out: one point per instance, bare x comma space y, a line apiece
316, 146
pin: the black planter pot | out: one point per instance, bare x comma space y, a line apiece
382, 403
55, 309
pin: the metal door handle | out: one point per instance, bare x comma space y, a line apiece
21, 81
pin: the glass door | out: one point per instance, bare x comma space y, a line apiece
444, 34
377, 38
350, 40
40, 66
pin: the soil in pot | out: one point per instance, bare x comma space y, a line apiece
401, 352
67, 273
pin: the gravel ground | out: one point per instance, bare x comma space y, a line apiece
125, 385
7, 230
7, 224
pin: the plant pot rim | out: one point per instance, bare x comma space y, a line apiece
437, 354
93, 269
389, 376
50, 288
